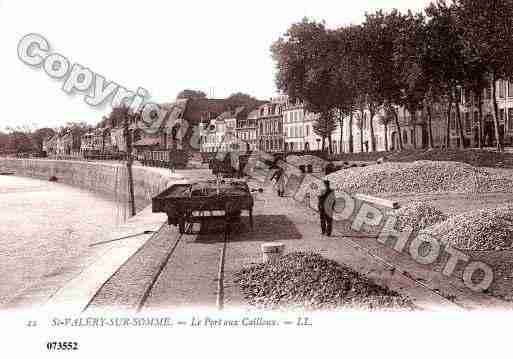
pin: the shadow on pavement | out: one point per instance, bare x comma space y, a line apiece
265, 228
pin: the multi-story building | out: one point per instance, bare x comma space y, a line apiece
50, 145
221, 134
270, 127
96, 140
247, 130
469, 107
208, 136
65, 142
298, 127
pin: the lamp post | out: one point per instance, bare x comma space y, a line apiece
129, 162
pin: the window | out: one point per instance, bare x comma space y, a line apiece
453, 121
501, 84
488, 92
501, 115
405, 137
476, 117
510, 119
458, 94
510, 89
467, 122
307, 130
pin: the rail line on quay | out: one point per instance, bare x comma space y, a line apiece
163, 265
166, 263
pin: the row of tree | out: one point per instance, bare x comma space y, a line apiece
414, 60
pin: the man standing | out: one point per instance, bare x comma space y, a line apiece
280, 181
326, 206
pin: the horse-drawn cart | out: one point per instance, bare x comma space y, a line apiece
202, 201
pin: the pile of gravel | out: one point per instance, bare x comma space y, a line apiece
316, 162
421, 177
309, 281
480, 230
480, 158
418, 215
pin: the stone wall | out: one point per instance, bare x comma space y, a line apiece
106, 178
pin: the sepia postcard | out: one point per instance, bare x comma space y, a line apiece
256, 178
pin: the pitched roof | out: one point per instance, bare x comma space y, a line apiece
174, 111
147, 141
254, 114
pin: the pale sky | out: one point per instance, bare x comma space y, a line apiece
218, 46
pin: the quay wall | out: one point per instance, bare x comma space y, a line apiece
106, 178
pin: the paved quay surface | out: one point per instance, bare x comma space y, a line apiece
181, 272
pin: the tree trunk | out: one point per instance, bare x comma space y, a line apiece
413, 114
330, 145
448, 127
323, 142
496, 113
480, 121
373, 139
430, 127
363, 118
341, 140
396, 119
361, 138
386, 136
351, 145
459, 125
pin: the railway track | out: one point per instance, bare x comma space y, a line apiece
172, 266
147, 292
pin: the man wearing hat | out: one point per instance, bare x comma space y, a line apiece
326, 206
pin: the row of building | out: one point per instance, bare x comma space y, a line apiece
281, 125
63, 143
164, 133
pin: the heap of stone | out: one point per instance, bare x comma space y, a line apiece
421, 177
479, 158
309, 281
418, 215
317, 163
479, 230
